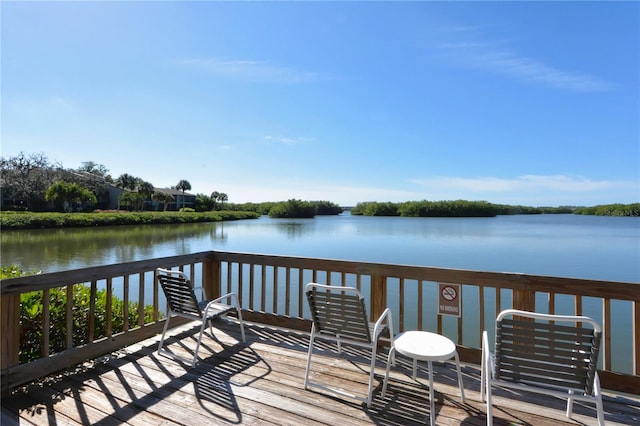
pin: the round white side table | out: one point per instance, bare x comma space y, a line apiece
424, 346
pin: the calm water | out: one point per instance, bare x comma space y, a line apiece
561, 245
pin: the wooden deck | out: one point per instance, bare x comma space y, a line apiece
261, 383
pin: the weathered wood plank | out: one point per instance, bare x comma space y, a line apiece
261, 383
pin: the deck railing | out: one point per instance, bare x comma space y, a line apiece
271, 292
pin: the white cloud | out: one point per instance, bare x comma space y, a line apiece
253, 71
480, 54
286, 140
520, 183
532, 189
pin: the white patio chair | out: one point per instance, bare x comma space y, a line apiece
339, 315
183, 302
550, 354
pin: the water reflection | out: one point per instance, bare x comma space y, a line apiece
293, 229
58, 249
560, 245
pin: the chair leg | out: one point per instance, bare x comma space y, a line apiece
390, 358
432, 403
487, 381
482, 378
598, 395
371, 375
569, 404
244, 338
195, 354
306, 373
164, 331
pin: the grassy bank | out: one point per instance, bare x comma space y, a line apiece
28, 220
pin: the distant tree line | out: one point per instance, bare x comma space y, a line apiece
463, 208
292, 208
33, 183
611, 210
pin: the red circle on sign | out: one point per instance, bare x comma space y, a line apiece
449, 293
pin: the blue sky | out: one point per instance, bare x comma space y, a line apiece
532, 103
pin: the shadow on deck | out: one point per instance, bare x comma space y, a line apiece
261, 382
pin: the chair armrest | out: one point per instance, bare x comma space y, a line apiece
486, 350
231, 298
485, 364
385, 317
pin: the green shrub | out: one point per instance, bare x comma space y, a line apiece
30, 220
293, 209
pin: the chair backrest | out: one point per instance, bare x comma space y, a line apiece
557, 351
179, 292
338, 311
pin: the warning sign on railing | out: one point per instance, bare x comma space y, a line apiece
449, 298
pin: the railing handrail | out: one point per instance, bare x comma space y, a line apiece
619, 290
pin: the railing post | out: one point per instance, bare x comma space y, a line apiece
378, 296
211, 278
524, 300
9, 331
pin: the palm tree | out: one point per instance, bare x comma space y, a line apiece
68, 194
145, 189
132, 200
222, 197
183, 186
125, 181
214, 198
163, 198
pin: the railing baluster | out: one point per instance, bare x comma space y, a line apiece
606, 333
420, 307
264, 288
156, 300
141, 299
274, 308
252, 276
481, 313
109, 307
301, 285
240, 278
229, 275
401, 304
459, 324
287, 296
46, 321
636, 338
69, 317
125, 304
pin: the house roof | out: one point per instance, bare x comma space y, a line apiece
172, 191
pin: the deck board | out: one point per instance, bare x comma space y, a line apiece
261, 383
